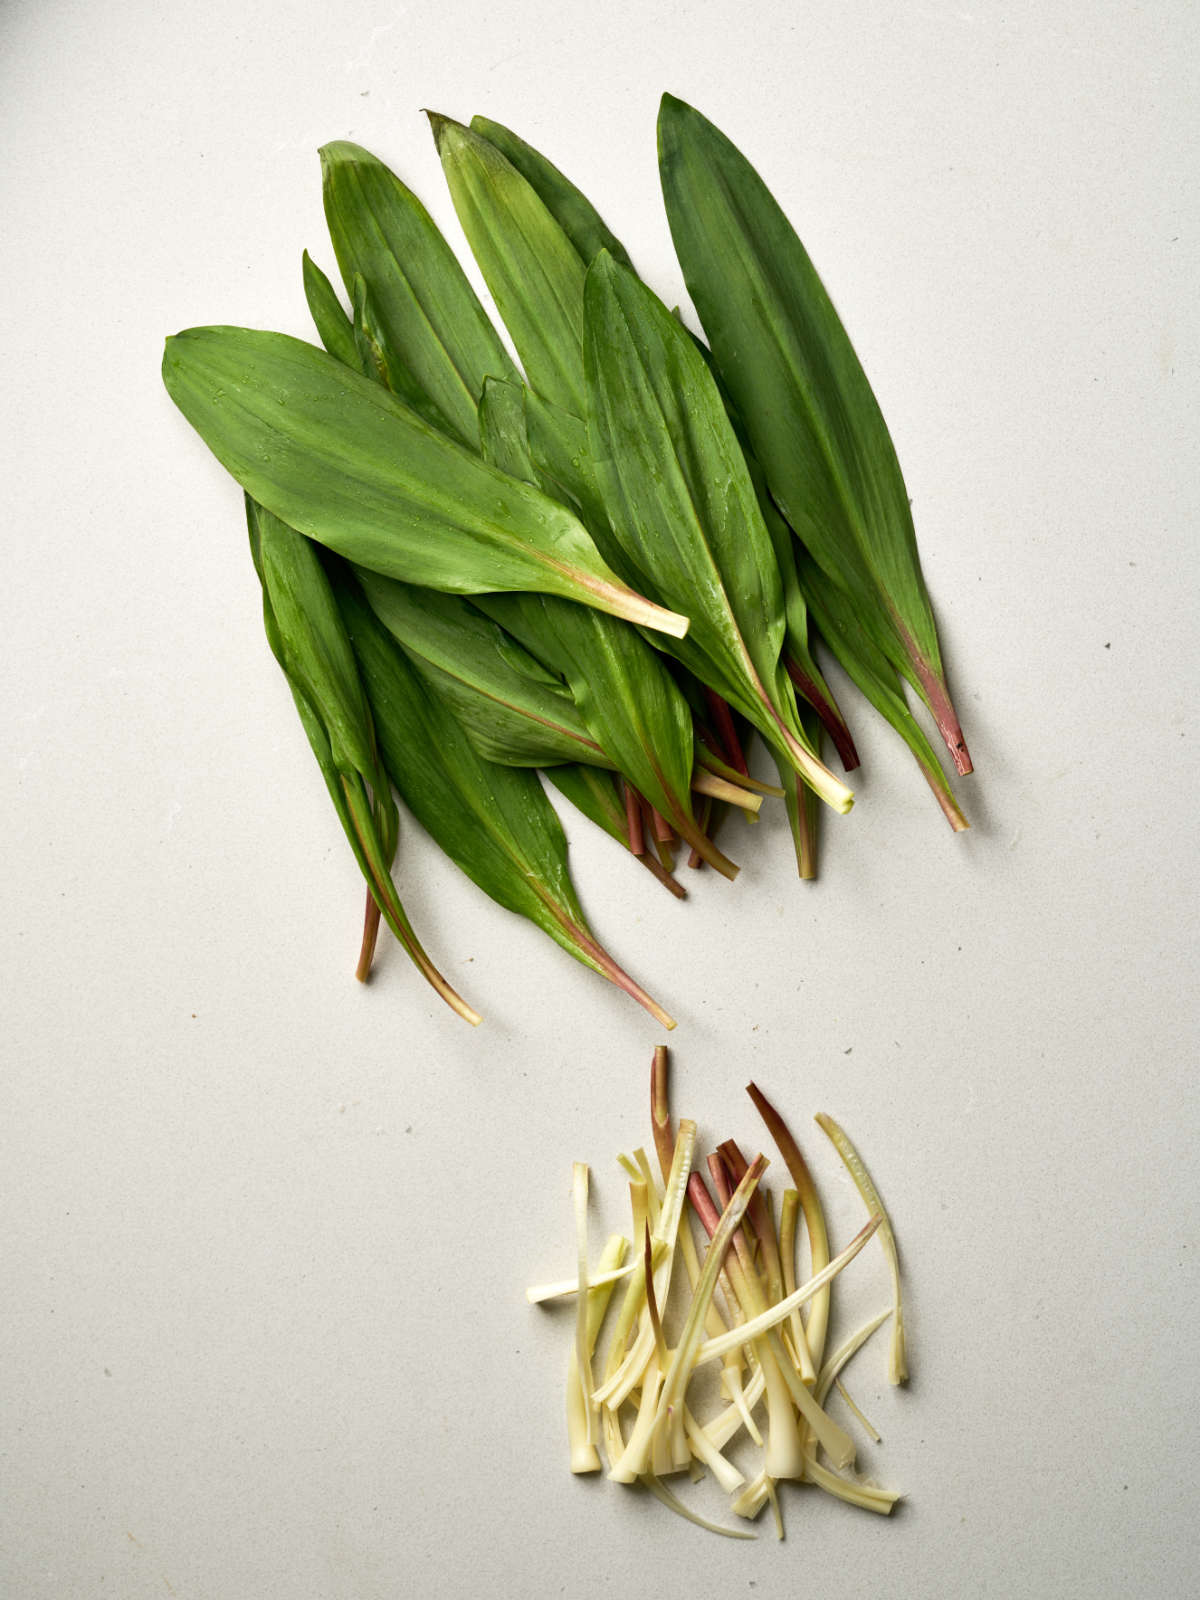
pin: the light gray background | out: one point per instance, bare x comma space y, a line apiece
265, 1231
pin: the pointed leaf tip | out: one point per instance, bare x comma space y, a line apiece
439, 125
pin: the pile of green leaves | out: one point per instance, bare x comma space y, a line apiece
613, 565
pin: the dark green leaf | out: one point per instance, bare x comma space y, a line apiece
308, 638
514, 710
340, 459
434, 322
810, 412
873, 673
494, 821
798, 658
503, 437
596, 793
683, 508
628, 700
562, 456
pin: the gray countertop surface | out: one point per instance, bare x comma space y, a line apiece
266, 1230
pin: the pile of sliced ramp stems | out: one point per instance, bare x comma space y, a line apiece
636, 1409
612, 565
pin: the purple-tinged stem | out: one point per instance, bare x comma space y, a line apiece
370, 935
703, 817
726, 731
831, 718
725, 1181
937, 697
702, 1204
710, 1219
657, 829
702, 845
617, 975
814, 1215
633, 819
647, 812
657, 870
760, 1219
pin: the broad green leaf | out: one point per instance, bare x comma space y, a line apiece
494, 822
802, 668
798, 658
572, 210
870, 670
334, 328
527, 261
533, 259
308, 638
337, 457
433, 320
812, 417
683, 507
514, 710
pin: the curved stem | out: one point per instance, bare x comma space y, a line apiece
370, 935
831, 718
384, 891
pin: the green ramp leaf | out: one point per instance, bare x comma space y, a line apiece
378, 358
627, 698
432, 318
875, 676
798, 658
683, 508
558, 440
494, 821
810, 412
334, 328
514, 710
570, 208
528, 262
339, 458
308, 639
